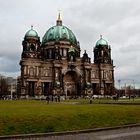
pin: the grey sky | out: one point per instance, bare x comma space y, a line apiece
117, 20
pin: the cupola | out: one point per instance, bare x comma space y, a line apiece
102, 42
59, 32
31, 33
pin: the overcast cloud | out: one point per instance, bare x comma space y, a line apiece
117, 20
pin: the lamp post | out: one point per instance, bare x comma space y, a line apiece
133, 90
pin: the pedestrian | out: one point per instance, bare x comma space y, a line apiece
55, 98
90, 101
58, 98
52, 98
47, 99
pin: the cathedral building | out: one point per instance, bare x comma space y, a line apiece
54, 66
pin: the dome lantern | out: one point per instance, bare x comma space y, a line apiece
59, 21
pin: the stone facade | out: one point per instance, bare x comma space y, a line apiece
55, 67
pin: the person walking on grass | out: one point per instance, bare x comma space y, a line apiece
47, 99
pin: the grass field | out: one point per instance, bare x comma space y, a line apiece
105, 100
18, 117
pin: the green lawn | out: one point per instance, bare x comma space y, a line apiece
18, 117
105, 100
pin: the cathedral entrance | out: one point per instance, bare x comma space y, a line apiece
70, 84
46, 88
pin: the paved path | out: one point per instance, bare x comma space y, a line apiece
120, 134
132, 133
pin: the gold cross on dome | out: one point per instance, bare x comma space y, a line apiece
59, 16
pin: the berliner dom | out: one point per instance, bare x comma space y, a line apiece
53, 65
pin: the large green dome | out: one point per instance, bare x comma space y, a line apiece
101, 41
31, 33
59, 32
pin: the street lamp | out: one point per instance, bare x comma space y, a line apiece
133, 89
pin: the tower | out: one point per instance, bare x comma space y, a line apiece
102, 58
102, 52
31, 44
30, 53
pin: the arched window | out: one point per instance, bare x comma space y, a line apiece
32, 47
31, 71
61, 52
64, 52
50, 53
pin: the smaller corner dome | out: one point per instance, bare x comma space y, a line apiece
31, 33
101, 41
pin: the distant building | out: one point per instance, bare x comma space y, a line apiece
54, 65
8, 86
